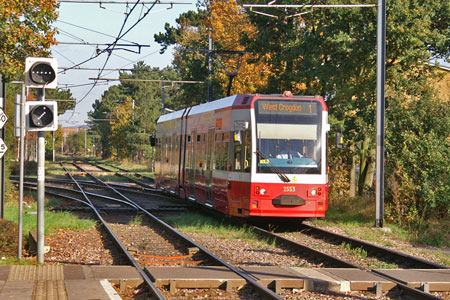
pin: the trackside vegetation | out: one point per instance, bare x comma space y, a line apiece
329, 52
53, 221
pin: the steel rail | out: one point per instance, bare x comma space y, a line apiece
103, 197
338, 263
372, 248
154, 290
143, 184
256, 285
90, 183
409, 291
123, 170
166, 208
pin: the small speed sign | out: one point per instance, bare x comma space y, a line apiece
3, 148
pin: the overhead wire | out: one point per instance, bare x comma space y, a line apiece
112, 71
112, 46
119, 37
92, 30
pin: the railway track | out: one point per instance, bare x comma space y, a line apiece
404, 260
144, 257
407, 291
168, 231
149, 184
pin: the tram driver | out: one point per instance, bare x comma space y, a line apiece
287, 152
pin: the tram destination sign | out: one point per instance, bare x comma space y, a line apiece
266, 107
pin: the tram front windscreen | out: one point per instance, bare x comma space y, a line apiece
288, 136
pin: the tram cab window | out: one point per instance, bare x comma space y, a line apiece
288, 136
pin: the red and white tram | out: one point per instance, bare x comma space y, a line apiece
247, 155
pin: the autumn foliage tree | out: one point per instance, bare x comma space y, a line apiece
226, 22
229, 22
25, 30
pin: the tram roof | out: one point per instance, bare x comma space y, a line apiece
230, 101
201, 108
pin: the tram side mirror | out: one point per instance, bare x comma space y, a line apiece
152, 141
339, 140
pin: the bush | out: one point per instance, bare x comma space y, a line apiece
8, 238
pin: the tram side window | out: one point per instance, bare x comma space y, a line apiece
226, 150
218, 151
187, 154
247, 150
221, 151
198, 156
237, 153
204, 154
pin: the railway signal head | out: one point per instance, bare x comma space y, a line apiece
41, 115
41, 72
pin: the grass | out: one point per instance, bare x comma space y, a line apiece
356, 217
354, 251
137, 220
197, 223
52, 221
130, 166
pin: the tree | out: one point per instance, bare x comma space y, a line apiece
332, 52
225, 21
135, 126
25, 30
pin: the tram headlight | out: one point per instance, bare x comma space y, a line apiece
263, 191
313, 192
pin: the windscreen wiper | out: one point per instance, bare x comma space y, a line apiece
280, 174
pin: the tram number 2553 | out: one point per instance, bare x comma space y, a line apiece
289, 189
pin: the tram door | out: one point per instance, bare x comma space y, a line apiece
192, 164
209, 165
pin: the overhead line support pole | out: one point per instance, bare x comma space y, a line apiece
380, 89
381, 55
210, 67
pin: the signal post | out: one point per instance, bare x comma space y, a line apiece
41, 116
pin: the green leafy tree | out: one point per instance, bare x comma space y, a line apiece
134, 126
333, 52
190, 36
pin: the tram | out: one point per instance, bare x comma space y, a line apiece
247, 155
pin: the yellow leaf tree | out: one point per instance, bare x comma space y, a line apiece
25, 30
121, 128
228, 23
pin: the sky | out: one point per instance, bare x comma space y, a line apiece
77, 23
